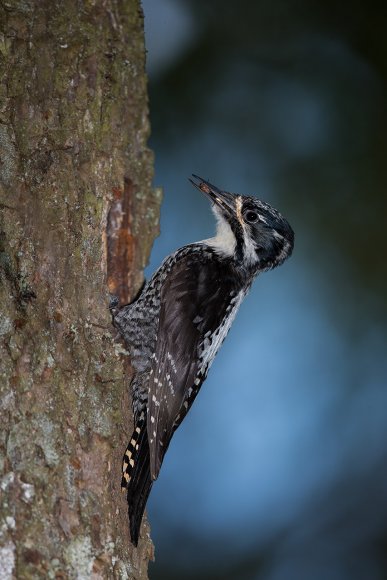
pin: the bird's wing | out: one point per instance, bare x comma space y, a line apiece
194, 301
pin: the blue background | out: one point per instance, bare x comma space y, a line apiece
279, 471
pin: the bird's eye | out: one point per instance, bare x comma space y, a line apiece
251, 217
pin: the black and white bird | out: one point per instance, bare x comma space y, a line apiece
174, 329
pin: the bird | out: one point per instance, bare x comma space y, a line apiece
175, 326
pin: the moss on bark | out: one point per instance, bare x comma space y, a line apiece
73, 132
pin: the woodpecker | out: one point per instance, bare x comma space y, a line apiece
177, 324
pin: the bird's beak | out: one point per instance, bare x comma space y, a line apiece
222, 199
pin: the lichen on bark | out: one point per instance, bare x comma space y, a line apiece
73, 132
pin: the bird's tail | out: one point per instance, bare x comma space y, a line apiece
136, 477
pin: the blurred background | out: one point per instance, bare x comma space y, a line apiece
280, 470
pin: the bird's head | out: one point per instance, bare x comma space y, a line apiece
249, 230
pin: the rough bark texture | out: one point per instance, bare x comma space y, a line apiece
73, 131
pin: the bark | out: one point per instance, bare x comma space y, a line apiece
78, 217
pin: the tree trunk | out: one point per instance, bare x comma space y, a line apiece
78, 217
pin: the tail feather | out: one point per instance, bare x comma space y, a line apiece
136, 478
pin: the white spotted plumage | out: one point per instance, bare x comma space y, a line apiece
175, 328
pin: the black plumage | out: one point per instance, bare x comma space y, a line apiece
176, 326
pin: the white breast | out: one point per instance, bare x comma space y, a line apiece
212, 342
